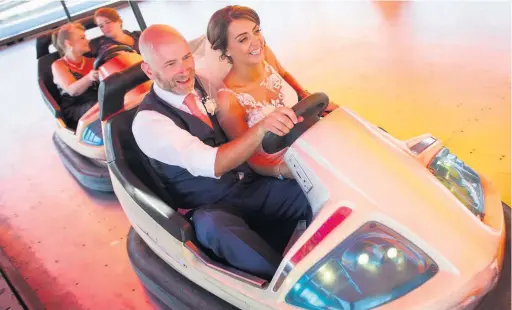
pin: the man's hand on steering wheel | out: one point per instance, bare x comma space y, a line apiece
279, 122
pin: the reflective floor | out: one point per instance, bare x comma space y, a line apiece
410, 67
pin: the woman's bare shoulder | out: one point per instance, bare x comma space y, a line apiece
225, 95
60, 68
59, 63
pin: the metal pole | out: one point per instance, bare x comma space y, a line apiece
66, 10
138, 14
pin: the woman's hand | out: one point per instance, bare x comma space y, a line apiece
283, 170
331, 106
303, 94
94, 75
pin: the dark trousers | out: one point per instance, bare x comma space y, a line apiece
252, 225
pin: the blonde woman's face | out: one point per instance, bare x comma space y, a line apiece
78, 42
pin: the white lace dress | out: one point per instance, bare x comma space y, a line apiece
283, 95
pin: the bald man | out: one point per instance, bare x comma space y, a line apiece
236, 210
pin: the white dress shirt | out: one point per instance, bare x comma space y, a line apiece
161, 139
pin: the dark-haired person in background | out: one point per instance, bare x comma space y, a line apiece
111, 25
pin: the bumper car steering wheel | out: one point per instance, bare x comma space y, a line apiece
311, 109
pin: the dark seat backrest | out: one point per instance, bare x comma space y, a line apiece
131, 167
48, 88
43, 43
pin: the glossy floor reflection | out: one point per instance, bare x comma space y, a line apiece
410, 67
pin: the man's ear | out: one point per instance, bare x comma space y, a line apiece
147, 69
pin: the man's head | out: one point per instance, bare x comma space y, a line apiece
167, 59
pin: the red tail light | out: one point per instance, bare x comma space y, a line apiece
323, 231
332, 222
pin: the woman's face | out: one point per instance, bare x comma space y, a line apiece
78, 42
108, 27
245, 42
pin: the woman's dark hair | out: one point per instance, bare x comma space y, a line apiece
217, 32
62, 34
109, 14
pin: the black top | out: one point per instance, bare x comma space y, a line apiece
101, 44
73, 107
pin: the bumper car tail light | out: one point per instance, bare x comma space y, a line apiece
460, 180
373, 266
332, 222
323, 231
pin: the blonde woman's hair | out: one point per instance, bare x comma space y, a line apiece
62, 34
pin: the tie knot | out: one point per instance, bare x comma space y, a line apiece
190, 99
191, 103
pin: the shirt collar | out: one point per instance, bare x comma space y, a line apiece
172, 99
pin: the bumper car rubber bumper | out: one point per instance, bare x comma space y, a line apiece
500, 296
87, 171
170, 289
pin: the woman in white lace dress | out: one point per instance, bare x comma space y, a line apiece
256, 84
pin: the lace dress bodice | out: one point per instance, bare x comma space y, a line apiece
281, 94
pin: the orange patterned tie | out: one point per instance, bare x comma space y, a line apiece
190, 102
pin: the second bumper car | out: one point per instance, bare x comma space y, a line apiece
79, 144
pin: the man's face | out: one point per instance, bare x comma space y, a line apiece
172, 67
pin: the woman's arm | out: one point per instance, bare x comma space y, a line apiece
271, 58
67, 81
232, 119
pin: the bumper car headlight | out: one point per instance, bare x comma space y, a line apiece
373, 266
460, 179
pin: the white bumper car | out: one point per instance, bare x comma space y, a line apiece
397, 224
